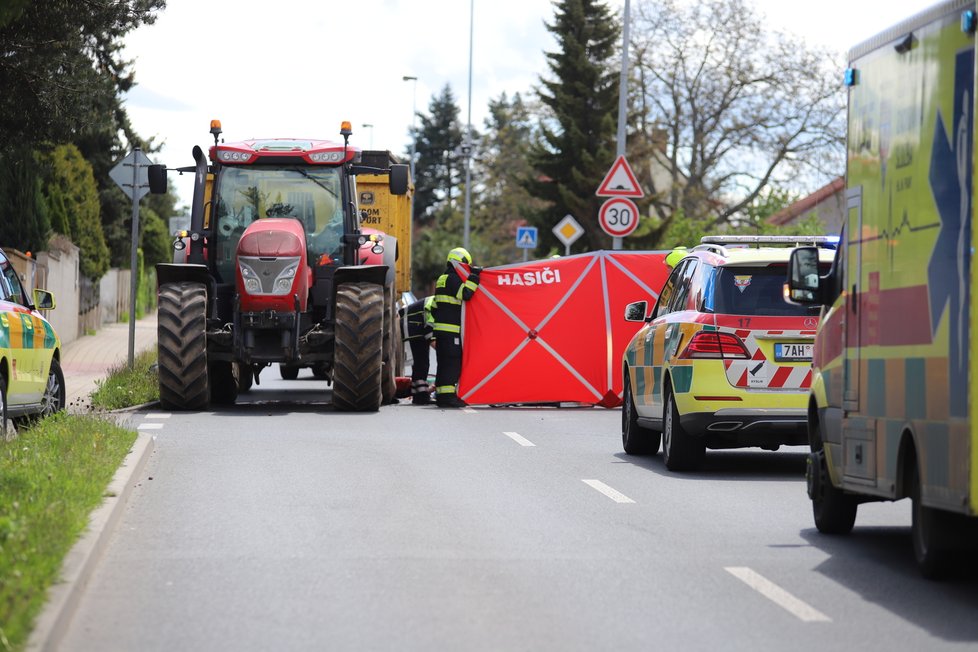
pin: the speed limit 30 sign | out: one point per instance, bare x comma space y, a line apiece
618, 217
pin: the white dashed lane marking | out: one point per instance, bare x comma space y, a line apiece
802, 610
614, 494
150, 426
158, 415
519, 439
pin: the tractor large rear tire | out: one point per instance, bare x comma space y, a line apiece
358, 356
182, 341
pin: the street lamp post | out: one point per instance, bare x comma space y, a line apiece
414, 118
467, 146
414, 139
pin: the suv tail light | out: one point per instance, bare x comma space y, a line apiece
715, 345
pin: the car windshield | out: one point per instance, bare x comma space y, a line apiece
757, 291
10, 288
310, 195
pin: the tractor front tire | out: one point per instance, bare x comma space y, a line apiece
359, 347
182, 341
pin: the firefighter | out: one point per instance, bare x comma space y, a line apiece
450, 292
417, 327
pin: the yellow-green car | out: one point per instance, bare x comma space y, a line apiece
31, 381
723, 360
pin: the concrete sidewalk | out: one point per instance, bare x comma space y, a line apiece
88, 359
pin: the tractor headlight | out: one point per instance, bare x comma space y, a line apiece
283, 283
252, 284
326, 157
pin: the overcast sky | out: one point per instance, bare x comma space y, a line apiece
297, 68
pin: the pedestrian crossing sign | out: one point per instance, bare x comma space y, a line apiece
526, 237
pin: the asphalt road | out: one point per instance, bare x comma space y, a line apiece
281, 525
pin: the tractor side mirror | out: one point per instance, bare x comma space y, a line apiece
157, 179
398, 179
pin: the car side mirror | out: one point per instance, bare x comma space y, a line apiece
43, 299
803, 277
636, 311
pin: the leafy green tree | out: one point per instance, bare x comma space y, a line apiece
157, 245
61, 64
73, 202
63, 75
431, 246
438, 170
578, 137
24, 220
502, 168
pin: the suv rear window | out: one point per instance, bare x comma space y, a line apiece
755, 291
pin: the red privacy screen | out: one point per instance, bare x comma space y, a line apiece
554, 330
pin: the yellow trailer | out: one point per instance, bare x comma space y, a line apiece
892, 406
383, 211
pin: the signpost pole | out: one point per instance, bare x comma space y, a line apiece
616, 241
133, 272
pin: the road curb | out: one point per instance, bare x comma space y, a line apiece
81, 560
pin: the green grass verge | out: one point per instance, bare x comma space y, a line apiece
51, 478
124, 387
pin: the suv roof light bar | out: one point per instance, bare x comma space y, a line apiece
820, 240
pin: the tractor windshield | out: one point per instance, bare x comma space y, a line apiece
311, 195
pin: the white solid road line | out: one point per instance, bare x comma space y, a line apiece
614, 494
150, 426
777, 595
158, 415
519, 439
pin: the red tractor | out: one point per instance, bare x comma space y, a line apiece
274, 273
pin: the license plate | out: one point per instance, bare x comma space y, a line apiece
793, 352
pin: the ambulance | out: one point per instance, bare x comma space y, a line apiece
891, 411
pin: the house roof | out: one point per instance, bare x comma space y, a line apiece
805, 204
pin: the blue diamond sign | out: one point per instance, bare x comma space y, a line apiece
526, 237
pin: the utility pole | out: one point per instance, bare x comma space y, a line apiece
414, 140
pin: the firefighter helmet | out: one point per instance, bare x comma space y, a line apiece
459, 255
675, 256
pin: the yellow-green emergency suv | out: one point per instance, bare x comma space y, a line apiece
31, 381
723, 360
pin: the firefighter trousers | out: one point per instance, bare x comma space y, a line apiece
420, 350
448, 347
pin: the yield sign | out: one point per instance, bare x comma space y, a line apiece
620, 181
